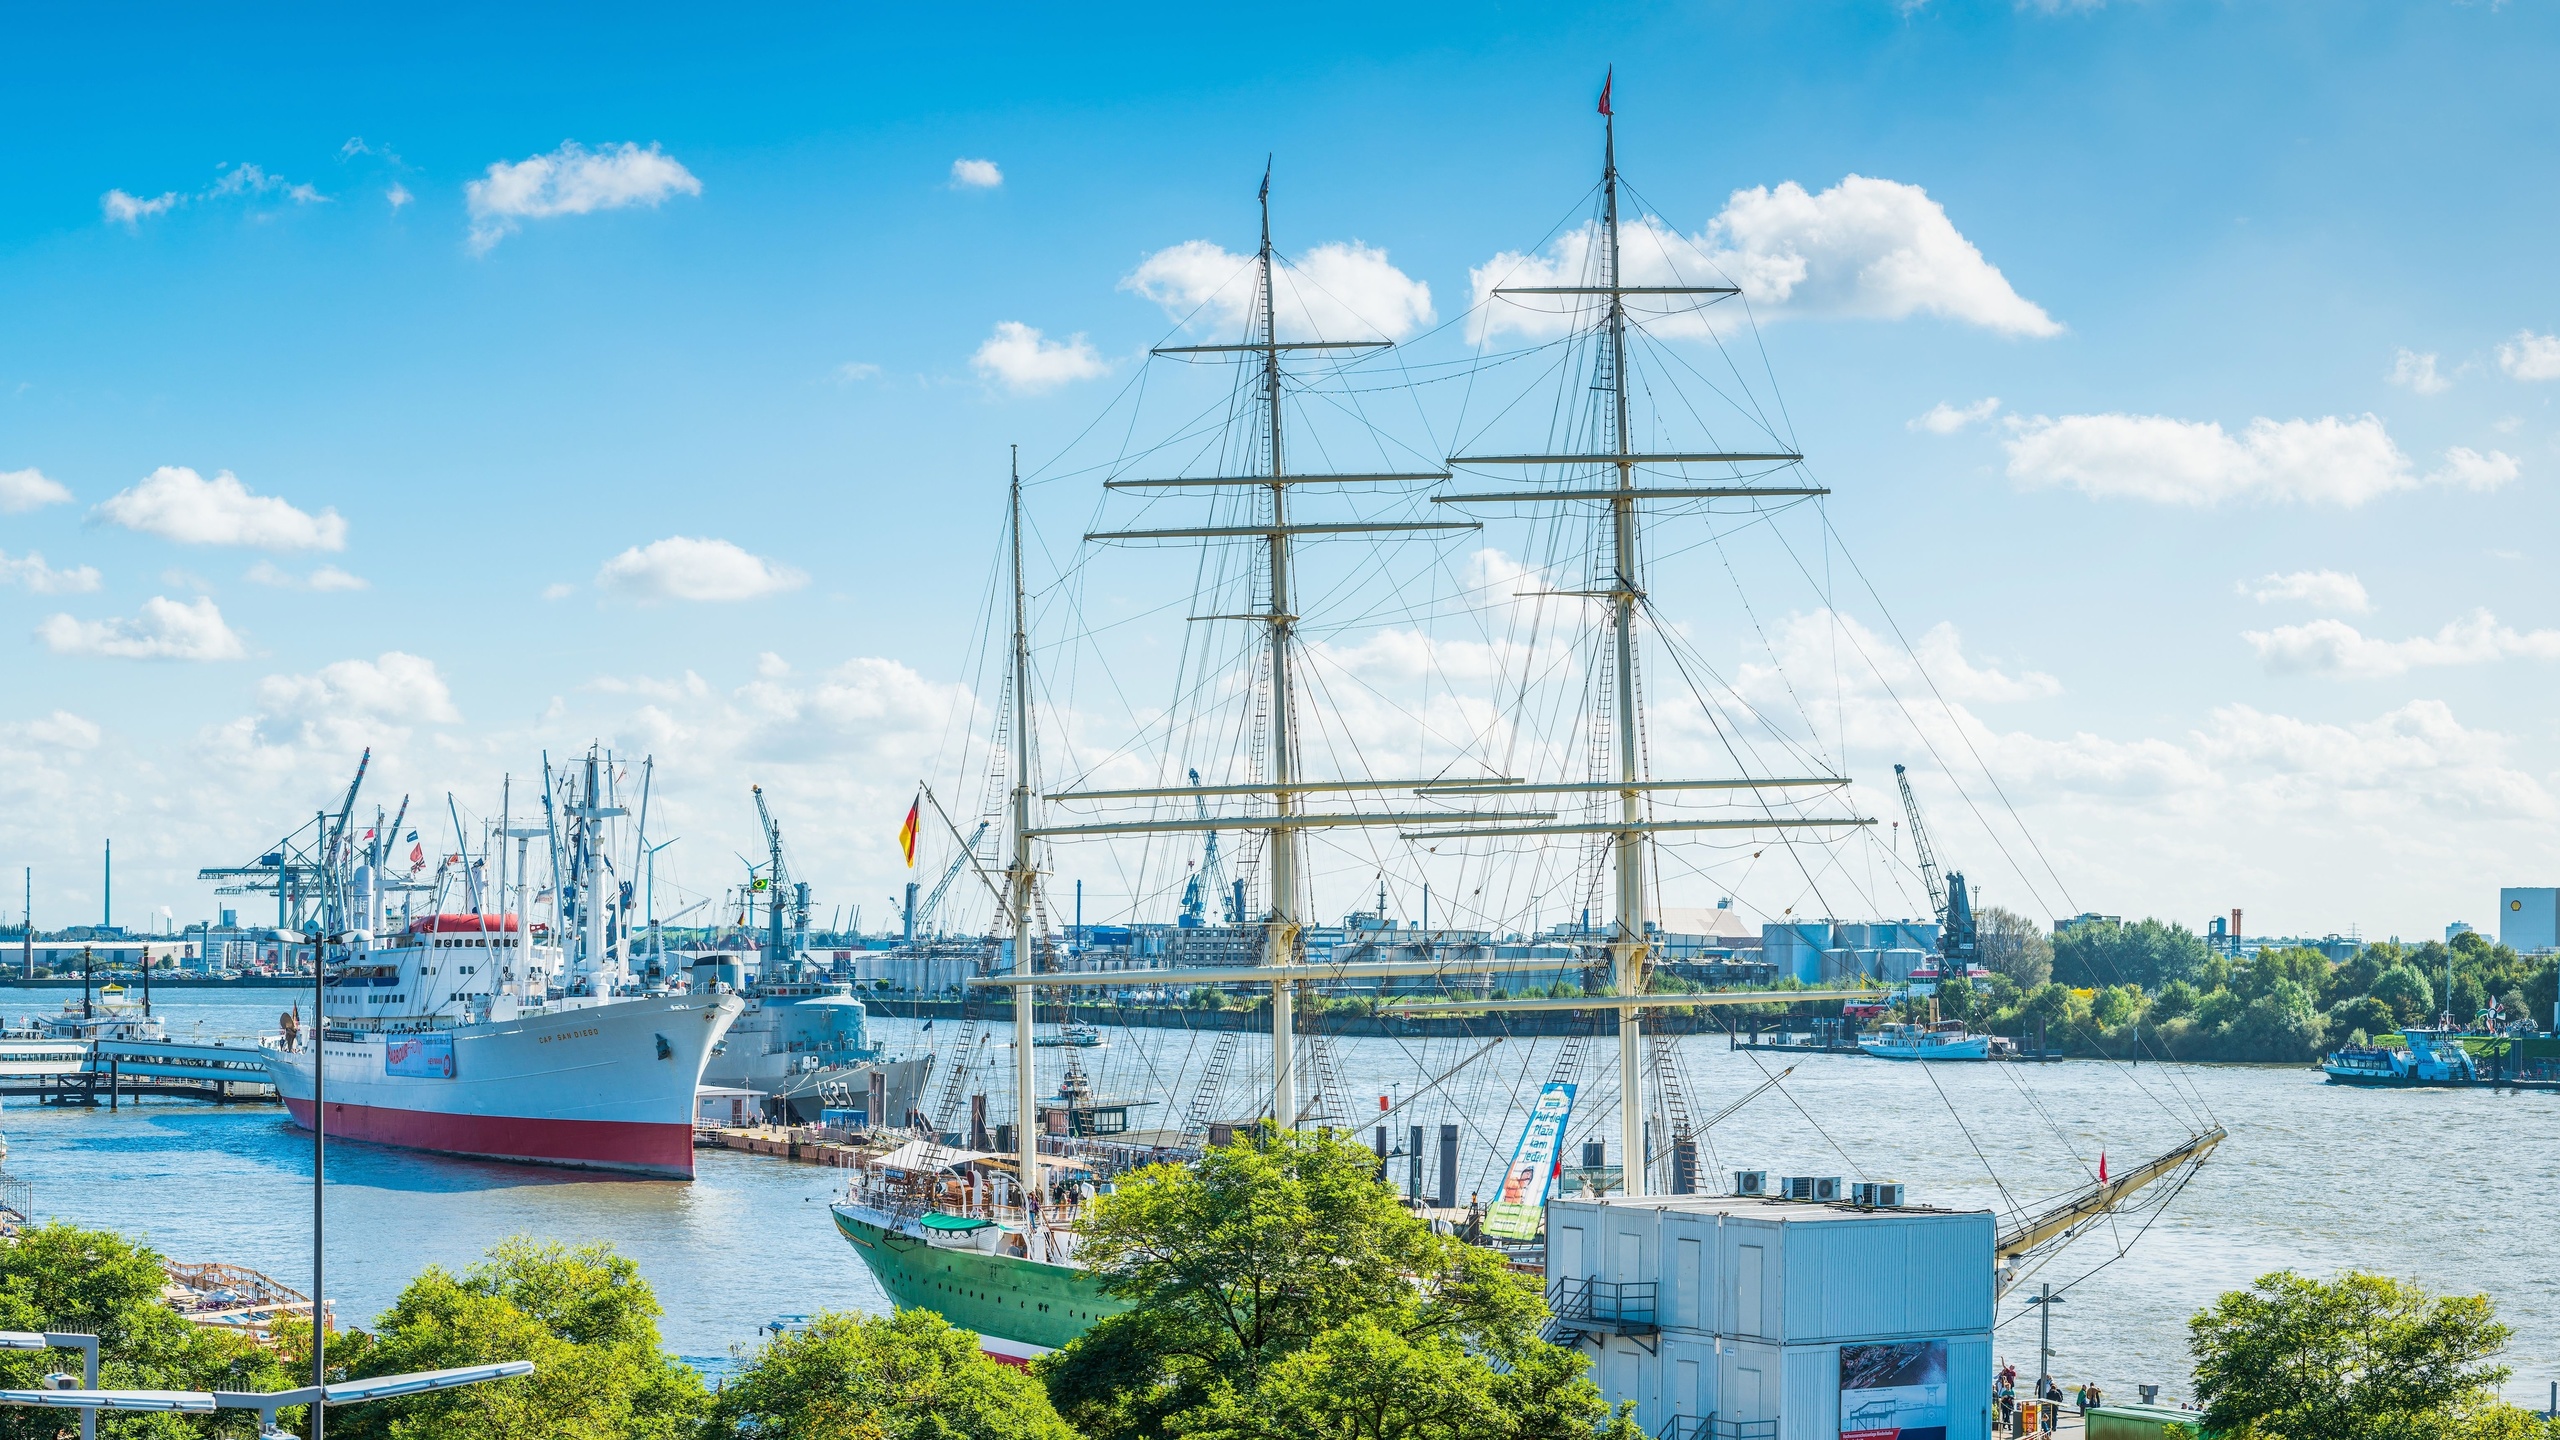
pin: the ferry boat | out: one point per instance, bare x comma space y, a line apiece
1946, 1040
450, 1035
2429, 1057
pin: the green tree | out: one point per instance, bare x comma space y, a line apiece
2117, 1005
2010, 944
2361, 1357
584, 1317
2176, 1001
1270, 1249
908, 1376
2096, 953
1368, 1380
2364, 1013
61, 1277
2407, 992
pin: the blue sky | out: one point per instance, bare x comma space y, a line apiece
752, 305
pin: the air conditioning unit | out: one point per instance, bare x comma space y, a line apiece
1821, 1189
1750, 1182
1876, 1194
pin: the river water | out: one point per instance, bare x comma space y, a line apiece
2451, 1189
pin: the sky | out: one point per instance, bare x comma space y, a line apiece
495, 384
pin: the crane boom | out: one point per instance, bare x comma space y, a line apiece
777, 880
941, 887
1920, 845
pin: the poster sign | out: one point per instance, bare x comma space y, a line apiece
427, 1057
1895, 1391
1520, 1212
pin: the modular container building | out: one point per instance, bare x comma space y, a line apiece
1779, 1320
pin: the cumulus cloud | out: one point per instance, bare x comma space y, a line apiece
31, 489
2330, 460
1945, 419
2413, 371
682, 568
254, 180
131, 210
1023, 360
571, 180
176, 503
1337, 291
2531, 357
975, 175
396, 687
398, 195
43, 579
327, 577
165, 630
2336, 648
2321, 589
1863, 249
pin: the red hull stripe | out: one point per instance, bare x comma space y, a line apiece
606, 1144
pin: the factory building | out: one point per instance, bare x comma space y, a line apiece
1794, 1320
1820, 952
2529, 918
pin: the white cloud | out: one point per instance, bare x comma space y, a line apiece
176, 503
975, 175
1023, 360
24, 490
1945, 419
571, 180
327, 577
1337, 291
2336, 648
396, 687
854, 371
681, 568
2417, 372
165, 630
558, 590
1863, 249
2531, 357
398, 195
130, 210
43, 579
2321, 589
253, 180
2330, 460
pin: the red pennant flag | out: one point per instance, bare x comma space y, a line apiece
417, 857
1610, 79
2102, 1167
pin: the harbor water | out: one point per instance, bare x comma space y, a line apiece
2445, 1188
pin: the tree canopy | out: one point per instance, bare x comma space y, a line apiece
584, 1317
908, 1376
61, 1277
2361, 1357
1277, 1288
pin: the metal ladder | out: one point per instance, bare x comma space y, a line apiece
1212, 1088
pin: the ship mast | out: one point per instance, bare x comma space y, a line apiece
1020, 878
1626, 940
1280, 935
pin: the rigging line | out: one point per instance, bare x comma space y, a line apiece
1987, 1167
1932, 683
1923, 735
1754, 1057
2157, 1209
1750, 318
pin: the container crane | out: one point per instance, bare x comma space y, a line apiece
780, 888
942, 887
1959, 945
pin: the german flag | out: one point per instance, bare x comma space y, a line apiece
907, 833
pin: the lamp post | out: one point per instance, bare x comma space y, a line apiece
2044, 1301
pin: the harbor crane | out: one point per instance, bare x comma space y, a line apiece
1210, 879
306, 875
933, 898
780, 888
1959, 945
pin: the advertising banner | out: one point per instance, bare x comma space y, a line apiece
1896, 1391
1520, 1211
427, 1057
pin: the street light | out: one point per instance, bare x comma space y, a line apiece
90, 1400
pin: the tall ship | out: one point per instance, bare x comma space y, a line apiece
1541, 781
479, 1030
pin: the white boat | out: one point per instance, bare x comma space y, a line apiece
805, 1043
460, 1034
1946, 1040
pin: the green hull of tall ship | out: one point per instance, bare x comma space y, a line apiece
1019, 1307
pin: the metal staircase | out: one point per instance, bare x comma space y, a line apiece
1211, 1089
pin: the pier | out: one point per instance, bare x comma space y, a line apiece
110, 1072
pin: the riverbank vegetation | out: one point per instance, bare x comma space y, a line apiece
2361, 1357
2156, 990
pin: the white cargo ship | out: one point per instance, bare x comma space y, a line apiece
458, 1033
